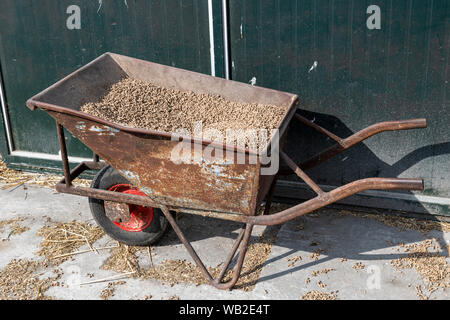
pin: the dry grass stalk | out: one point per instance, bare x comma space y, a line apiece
10, 178
19, 280
83, 251
61, 240
319, 295
123, 259
172, 272
118, 276
424, 257
149, 251
14, 227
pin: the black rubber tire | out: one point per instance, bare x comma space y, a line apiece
105, 179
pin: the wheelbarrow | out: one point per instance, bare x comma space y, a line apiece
138, 186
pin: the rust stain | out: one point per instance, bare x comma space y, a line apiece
206, 184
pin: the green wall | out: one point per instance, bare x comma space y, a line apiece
37, 49
362, 76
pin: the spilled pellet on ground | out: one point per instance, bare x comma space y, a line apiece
14, 227
429, 260
20, 280
319, 295
403, 223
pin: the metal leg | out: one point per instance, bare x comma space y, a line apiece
230, 256
65, 160
241, 242
270, 196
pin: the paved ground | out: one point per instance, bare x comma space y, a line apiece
346, 255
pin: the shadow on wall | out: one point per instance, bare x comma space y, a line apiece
358, 162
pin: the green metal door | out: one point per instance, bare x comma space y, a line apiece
40, 43
349, 76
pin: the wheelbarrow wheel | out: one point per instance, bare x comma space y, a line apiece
145, 225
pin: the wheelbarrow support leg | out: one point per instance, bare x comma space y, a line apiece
241, 242
270, 194
64, 158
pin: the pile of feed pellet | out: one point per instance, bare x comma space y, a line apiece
139, 104
22, 279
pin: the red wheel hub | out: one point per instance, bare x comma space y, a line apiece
140, 217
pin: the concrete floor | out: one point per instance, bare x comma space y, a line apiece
356, 239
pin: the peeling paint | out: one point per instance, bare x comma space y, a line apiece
314, 66
105, 129
80, 125
134, 178
218, 185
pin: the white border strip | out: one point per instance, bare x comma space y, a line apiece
225, 39
211, 38
377, 193
5, 118
46, 156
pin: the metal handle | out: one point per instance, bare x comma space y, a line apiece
344, 144
336, 195
409, 124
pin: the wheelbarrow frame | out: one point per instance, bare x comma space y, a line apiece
64, 117
242, 242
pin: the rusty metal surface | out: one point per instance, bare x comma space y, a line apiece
117, 211
145, 160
